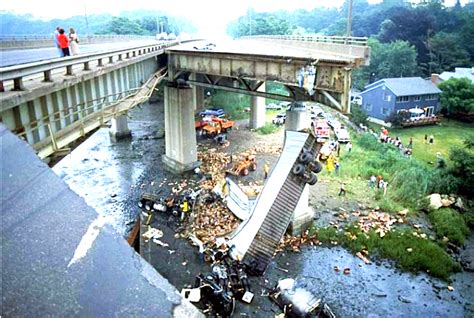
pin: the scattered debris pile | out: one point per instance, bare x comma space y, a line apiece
380, 222
214, 164
212, 219
295, 242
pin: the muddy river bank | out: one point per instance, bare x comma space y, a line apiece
112, 176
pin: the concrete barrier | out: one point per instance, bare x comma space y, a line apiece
15, 42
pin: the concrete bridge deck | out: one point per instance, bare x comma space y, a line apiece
60, 258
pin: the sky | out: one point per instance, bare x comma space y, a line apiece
207, 15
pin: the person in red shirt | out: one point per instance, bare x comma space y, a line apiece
63, 42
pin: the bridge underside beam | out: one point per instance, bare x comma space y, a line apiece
333, 77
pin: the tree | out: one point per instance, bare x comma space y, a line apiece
462, 159
358, 115
457, 96
411, 25
120, 25
259, 24
445, 53
395, 59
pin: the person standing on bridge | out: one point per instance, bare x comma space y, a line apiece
56, 42
73, 42
63, 42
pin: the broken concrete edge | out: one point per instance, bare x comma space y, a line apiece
176, 167
52, 211
182, 307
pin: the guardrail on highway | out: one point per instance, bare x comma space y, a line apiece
16, 73
361, 41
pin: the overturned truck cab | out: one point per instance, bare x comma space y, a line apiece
256, 239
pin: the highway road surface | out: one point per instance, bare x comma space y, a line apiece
15, 57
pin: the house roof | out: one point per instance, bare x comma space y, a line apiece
459, 72
406, 86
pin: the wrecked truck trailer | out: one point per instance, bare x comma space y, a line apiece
256, 239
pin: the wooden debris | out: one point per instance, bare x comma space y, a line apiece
362, 257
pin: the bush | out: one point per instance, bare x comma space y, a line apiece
397, 118
425, 255
358, 115
267, 129
449, 223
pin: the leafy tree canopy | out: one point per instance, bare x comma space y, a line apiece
394, 59
457, 96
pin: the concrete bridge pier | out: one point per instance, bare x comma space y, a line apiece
198, 93
297, 119
180, 134
257, 110
303, 214
119, 128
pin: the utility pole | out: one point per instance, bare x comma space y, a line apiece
87, 21
349, 21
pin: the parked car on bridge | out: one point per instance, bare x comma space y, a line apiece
218, 112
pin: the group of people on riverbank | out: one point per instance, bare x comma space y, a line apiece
384, 137
67, 45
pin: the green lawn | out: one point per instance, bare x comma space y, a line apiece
446, 135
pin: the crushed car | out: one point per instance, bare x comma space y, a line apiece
298, 302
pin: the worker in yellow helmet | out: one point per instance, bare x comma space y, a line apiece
184, 209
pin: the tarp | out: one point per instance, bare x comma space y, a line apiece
416, 110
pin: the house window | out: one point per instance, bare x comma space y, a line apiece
431, 96
368, 107
417, 98
385, 111
386, 97
403, 99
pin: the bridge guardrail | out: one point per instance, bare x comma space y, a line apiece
361, 41
16, 73
48, 37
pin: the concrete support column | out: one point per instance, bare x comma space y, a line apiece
180, 134
119, 128
198, 94
303, 215
257, 112
297, 119
345, 99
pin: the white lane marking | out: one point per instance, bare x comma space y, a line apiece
86, 242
